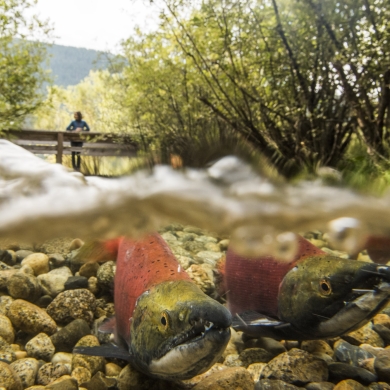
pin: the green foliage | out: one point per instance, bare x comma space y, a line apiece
21, 75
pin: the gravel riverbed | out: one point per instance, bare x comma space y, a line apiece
49, 304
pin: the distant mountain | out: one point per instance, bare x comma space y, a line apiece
69, 65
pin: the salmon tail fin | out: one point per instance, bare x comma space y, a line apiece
97, 251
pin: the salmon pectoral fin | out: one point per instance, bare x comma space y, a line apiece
97, 251
253, 318
105, 350
108, 326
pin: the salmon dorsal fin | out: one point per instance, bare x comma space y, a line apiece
98, 251
252, 284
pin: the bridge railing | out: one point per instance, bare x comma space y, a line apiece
58, 143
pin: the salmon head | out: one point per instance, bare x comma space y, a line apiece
164, 325
315, 296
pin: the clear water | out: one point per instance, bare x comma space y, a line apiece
39, 201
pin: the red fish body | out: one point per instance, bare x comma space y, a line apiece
165, 325
312, 297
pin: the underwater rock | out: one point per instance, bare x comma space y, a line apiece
24, 286
76, 282
274, 384
49, 372
40, 347
229, 379
92, 363
112, 369
369, 348
382, 319
5, 303
39, 262
81, 374
342, 371
382, 365
255, 369
73, 304
383, 331
8, 378
209, 257
106, 274
7, 354
89, 269
63, 383
255, 355
93, 285
44, 301
320, 386
317, 347
22, 254
350, 354
297, 367
53, 282
349, 384
66, 338
274, 347
193, 246
6, 329
202, 275
27, 370
62, 357
30, 318
212, 247
56, 260
184, 261
8, 257
233, 360
190, 383
100, 382
364, 335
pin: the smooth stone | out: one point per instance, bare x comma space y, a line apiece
81, 374
383, 331
211, 246
193, 229
93, 285
92, 363
77, 243
30, 318
383, 319
27, 370
183, 236
349, 384
39, 262
317, 347
6, 329
54, 281
5, 274
66, 338
369, 348
102, 337
255, 355
24, 286
56, 260
112, 369
379, 386
229, 379
272, 346
76, 282
100, 382
22, 254
7, 353
8, 257
202, 275
335, 253
190, 383
63, 383
44, 301
223, 244
194, 246
49, 372
297, 367
274, 384
320, 386
206, 239
71, 305
8, 378
341, 371
5, 303
209, 257
89, 269
350, 354
368, 365
382, 365
364, 335
167, 236
106, 274
179, 251
40, 347
255, 369
184, 261
62, 357
233, 360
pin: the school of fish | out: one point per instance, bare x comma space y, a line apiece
166, 327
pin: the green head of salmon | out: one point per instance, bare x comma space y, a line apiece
164, 324
315, 296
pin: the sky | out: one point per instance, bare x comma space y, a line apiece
96, 24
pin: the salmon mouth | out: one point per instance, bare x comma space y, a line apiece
191, 352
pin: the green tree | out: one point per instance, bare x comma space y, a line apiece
21, 55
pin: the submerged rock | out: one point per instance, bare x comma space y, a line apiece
27, 370
8, 378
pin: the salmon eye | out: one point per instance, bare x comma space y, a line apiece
325, 287
164, 319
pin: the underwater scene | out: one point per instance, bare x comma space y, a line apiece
213, 278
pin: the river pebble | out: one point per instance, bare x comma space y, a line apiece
24, 286
53, 283
27, 370
40, 347
6, 329
39, 262
30, 318
8, 378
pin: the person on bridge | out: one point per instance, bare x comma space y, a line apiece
77, 125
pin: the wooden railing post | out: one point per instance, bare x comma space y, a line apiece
60, 147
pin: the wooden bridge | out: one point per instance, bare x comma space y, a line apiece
58, 143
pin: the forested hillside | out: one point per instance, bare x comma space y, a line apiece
69, 65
